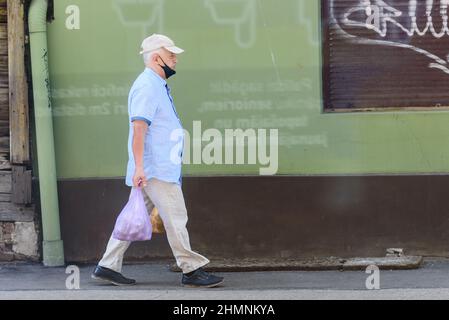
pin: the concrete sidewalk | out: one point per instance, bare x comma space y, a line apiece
156, 281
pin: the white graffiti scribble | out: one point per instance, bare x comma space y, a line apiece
305, 20
146, 14
240, 14
378, 15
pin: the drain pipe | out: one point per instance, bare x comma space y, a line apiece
53, 252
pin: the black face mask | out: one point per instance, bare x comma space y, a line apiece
167, 70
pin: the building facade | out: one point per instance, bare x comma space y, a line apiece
355, 89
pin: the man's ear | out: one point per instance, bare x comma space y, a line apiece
155, 58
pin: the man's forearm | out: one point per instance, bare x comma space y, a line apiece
138, 144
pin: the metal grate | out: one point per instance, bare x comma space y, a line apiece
385, 54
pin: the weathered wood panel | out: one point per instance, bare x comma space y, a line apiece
16, 213
4, 128
7, 211
4, 113
4, 144
21, 185
4, 66
5, 182
5, 197
18, 88
3, 71
3, 31
4, 162
4, 92
3, 14
3, 47
3, 11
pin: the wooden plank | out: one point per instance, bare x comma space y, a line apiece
5, 182
4, 144
21, 185
3, 12
4, 108
18, 88
4, 128
3, 31
3, 47
4, 82
4, 116
4, 162
5, 197
16, 213
4, 75
4, 70
4, 98
4, 93
3, 15
4, 113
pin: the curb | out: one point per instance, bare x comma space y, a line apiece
325, 264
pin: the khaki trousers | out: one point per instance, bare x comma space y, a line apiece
169, 200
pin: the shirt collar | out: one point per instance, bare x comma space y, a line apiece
154, 75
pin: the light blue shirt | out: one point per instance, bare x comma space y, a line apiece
150, 100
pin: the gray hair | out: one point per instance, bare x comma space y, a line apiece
148, 55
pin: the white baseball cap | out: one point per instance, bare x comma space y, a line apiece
157, 41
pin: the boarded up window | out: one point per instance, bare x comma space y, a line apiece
391, 53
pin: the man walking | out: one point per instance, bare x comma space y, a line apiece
152, 166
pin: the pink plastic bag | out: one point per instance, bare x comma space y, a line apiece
133, 223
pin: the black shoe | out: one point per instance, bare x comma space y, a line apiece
201, 279
105, 274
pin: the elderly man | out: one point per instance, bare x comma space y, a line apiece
153, 119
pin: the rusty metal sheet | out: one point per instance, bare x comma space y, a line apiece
391, 53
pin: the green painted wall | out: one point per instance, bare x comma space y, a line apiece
264, 54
